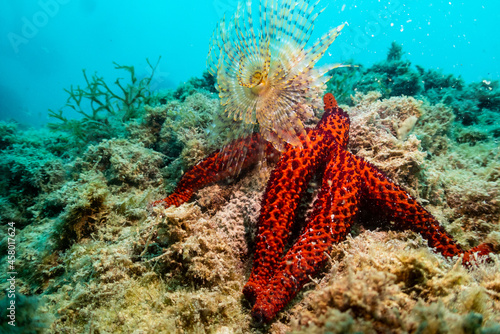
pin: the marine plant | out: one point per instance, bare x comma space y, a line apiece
104, 109
343, 82
475, 105
195, 84
7, 134
29, 318
267, 75
392, 77
27, 172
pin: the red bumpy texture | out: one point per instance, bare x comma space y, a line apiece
348, 181
218, 166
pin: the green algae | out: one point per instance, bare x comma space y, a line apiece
206, 83
104, 108
7, 134
475, 105
29, 318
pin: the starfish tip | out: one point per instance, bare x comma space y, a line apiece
330, 101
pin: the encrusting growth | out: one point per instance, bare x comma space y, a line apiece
266, 75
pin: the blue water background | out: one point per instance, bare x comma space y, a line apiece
45, 44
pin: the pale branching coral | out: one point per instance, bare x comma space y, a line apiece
267, 75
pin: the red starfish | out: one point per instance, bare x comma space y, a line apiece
348, 182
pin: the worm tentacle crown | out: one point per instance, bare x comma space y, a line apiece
265, 74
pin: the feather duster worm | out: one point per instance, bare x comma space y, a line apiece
265, 74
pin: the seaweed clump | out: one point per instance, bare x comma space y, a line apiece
206, 83
31, 168
392, 77
475, 105
416, 291
29, 316
104, 109
7, 134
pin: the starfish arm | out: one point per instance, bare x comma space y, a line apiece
335, 122
406, 212
217, 166
285, 187
329, 223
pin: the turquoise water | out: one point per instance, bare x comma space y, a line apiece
90, 244
45, 44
